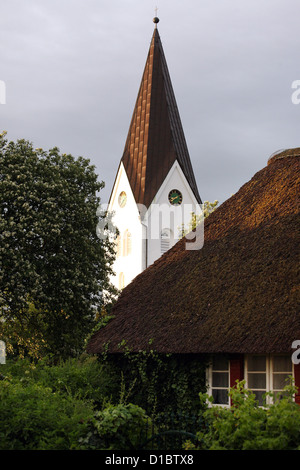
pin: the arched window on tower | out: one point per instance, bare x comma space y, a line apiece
126, 243
121, 280
165, 240
118, 246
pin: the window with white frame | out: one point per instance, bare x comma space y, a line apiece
219, 380
281, 370
257, 376
266, 373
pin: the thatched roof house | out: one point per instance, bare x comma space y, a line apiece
237, 297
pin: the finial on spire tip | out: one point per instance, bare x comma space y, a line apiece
155, 19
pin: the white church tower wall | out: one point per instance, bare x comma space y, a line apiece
130, 256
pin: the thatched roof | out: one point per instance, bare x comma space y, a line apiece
239, 293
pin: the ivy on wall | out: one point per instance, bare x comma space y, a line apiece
159, 382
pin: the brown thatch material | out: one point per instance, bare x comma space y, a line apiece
238, 294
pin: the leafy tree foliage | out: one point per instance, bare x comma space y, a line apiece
54, 269
196, 219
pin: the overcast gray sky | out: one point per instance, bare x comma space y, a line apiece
72, 70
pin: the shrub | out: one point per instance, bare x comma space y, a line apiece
46, 406
118, 427
35, 418
83, 378
247, 426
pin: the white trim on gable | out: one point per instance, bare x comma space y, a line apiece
121, 183
163, 215
175, 167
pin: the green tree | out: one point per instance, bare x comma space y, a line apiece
196, 219
54, 270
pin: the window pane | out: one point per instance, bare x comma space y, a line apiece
257, 363
220, 363
256, 381
259, 397
280, 395
282, 364
220, 379
164, 246
280, 381
220, 397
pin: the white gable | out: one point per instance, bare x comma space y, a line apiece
162, 217
143, 240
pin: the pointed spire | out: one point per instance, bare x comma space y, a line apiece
155, 138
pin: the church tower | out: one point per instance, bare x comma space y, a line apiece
155, 190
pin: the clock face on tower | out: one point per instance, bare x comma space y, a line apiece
122, 199
175, 197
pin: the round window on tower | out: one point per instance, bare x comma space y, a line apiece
122, 199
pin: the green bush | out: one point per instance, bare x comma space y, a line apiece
33, 417
83, 378
83, 404
248, 426
66, 406
119, 427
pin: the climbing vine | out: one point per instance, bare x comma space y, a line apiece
160, 382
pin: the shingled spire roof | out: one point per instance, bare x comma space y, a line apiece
155, 139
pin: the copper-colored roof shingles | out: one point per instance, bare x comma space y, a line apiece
155, 138
238, 294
